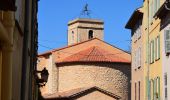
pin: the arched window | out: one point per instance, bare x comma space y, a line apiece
90, 34
72, 36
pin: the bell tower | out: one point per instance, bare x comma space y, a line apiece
82, 29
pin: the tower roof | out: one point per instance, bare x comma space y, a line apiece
85, 20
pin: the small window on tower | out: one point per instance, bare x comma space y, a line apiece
72, 36
90, 34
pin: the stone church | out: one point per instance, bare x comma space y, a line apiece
88, 68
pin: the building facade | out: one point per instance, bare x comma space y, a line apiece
137, 69
89, 63
154, 58
164, 15
18, 49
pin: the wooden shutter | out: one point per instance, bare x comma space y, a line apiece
153, 49
158, 47
155, 5
158, 4
159, 88
167, 41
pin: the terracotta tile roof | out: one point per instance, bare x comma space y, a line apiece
57, 49
77, 92
94, 54
50, 51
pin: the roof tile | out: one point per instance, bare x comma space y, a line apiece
94, 54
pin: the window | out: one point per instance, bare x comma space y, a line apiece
90, 34
157, 48
156, 5
139, 58
166, 83
152, 89
157, 93
137, 31
153, 8
150, 12
152, 51
167, 41
72, 34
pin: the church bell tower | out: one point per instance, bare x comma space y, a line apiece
82, 29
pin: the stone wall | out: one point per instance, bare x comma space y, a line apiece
114, 78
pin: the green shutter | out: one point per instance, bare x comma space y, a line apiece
149, 90
155, 88
155, 5
152, 51
152, 10
159, 88
158, 47
158, 4
155, 48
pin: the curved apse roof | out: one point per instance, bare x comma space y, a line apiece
94, 54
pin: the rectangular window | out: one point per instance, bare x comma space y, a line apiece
139, 58
165, 83
167, 41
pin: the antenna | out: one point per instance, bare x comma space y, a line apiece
86, 11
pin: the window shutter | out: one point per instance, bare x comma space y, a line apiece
150, 13
158, 88
155, 5
158, 4
158, 47
152, 51
149, 90
155, 89
167, 41
152, 10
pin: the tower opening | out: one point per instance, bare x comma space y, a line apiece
90, 34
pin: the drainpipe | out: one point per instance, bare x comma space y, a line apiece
25, 51
148, 70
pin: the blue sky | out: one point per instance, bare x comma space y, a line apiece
53, 16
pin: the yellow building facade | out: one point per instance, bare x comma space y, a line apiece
150, 73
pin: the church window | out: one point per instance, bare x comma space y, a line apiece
90, 34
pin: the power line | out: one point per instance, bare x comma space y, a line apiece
79, 54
